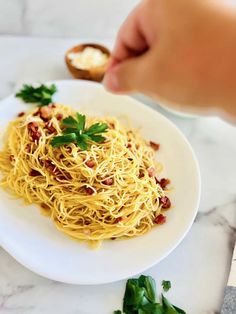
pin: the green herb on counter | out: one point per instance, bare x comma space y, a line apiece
166, 285
140, 298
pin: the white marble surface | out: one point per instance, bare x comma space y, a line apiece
199, 266
63, 18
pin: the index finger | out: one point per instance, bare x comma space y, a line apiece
130, 40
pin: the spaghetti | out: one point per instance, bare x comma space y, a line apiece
109, 191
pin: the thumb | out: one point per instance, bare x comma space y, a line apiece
126, 76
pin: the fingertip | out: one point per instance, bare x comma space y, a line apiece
112, 62
110, 82
124, 77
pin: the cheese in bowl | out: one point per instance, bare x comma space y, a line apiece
88, 58
88, 61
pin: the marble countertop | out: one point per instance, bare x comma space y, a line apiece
198, 267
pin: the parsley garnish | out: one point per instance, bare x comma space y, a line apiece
75, 132
166, 284
140, 298
42, 95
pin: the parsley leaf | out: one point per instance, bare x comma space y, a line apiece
76, 133
42, 95
96, 128
81, 121
140, 298
97, 138
169, 308
70, 122
180, 311
133, 295
151, 309
64, 139
149, 284
117, 312
81, 141
166, 284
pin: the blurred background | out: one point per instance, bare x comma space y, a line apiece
64, 18
35, 34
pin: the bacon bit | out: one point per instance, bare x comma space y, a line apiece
52, 105
160, 219
50, 127
118, 219
28, 148
164, 182
129, 145
34, 173
60, 178
112, 125
33, 126
36, 136
89, 190
50, 166
59, 116
69, 149
68, 176
154, 145
45, 112
165, 201
90, 163
113, 238
151, 171
36, 113
52, 169
12, 158
108, 181
45, 206
21, 114
141, 175
47, 162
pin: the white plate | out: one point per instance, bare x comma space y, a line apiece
33, 240
178, 113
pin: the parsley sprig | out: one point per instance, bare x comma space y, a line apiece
166, 285
140, 298
75, 132
42, 95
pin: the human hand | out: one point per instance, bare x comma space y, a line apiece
180, 52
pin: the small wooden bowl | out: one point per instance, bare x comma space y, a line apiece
93, 74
